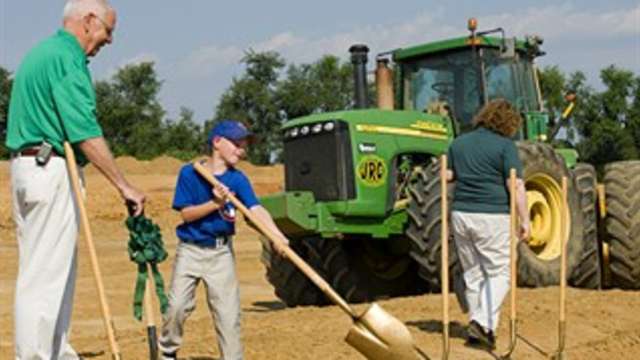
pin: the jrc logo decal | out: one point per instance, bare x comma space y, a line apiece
372, 170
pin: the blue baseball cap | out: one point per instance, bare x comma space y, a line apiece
229, 129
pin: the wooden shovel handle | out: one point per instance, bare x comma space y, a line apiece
513, 237
563, 252
444, 254
106, 313
288, 252
148, 304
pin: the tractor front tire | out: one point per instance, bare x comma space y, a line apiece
290, 284
425, 224
363, 270
622, 223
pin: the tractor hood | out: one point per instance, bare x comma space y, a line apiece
410, 124
348, 159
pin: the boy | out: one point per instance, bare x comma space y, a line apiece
205, 250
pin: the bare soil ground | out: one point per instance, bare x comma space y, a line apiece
600, 324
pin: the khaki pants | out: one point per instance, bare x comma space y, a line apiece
482, 241
216, 268
47, 229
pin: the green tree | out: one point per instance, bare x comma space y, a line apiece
264, 98
554, 85
325, 85
5, 92
251, 99
129, 111
183, 138
608, 123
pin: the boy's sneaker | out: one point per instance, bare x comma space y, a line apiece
479, 337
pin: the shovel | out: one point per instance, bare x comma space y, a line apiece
376, 334
106, 312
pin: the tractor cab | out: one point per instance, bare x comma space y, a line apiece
456, 77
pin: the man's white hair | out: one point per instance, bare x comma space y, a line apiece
80, 8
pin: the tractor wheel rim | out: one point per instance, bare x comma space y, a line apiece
547, 212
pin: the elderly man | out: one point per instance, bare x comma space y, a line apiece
53, 101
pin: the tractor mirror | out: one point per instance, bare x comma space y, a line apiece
508, 48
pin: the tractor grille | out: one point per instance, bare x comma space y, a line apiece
320, 161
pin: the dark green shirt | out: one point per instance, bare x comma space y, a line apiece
52, 98
481, 161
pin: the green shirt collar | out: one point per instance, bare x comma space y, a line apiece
70, 39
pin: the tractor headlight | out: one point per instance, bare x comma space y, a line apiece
329, 126
316, 128
294, 132
304, 130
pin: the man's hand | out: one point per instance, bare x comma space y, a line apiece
133, 198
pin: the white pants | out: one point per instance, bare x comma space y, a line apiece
47, 229
216, 267
482, 241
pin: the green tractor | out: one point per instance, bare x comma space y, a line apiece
362, 200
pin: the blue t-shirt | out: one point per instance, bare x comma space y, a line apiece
192, 189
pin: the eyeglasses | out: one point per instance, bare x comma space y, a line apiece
107, 28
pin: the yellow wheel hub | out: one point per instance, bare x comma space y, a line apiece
547, 213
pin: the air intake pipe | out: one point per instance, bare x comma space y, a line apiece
359, 58
384, 84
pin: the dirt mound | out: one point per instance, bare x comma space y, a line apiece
159, 165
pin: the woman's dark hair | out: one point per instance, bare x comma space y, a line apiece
498, 115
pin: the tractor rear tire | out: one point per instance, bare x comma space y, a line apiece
622, 223
587, 273
543, 170
425, 224
360, 272
290, 284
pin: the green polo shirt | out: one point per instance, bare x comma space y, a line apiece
481, 161
52, 98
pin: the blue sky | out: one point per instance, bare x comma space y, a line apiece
197, 45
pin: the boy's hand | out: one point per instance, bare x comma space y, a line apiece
220, 194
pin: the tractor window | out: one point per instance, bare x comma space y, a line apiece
510, 79
449, 81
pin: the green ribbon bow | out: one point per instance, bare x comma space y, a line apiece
146, 246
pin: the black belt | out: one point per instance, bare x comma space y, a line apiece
30, 151
218, 241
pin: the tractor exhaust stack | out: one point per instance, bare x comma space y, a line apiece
359, 58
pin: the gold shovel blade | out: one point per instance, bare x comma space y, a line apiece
379, 336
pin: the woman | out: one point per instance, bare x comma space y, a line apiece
479, 163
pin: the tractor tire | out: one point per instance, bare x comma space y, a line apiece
290, 284
425, 224
362, 271
587, 274
539, 259
622, 223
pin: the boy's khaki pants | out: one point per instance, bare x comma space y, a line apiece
216, 268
